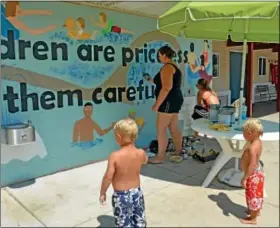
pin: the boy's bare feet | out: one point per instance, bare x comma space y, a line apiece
249, 220
248, 213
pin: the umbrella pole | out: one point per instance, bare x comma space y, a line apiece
244, 55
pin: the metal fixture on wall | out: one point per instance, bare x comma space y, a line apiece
18, 134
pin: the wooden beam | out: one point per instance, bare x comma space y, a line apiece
249, 81
276, 48
230, 43
277, 85
259, 46
251, 48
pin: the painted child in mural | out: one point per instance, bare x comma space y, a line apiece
76, 29
192, 68
123, 172
206, 54
70, 27
84, 128
253, 179
11, 20
198, 68
108, 26
139, 120
192, 59
205, 63
203, 72
81, 33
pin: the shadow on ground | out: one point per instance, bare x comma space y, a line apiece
106, 221
227, 206
23, 184
189, 172
264, 108
192, 172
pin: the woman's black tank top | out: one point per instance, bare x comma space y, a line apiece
175, 92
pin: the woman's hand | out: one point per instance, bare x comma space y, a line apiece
148, 78
155, 108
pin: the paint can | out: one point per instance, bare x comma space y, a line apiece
214, 112
225, 117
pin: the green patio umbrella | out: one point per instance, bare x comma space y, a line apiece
242, 21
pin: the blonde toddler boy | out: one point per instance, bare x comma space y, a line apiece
123, 171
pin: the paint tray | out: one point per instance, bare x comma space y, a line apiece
205, 158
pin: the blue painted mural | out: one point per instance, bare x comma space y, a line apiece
73, 71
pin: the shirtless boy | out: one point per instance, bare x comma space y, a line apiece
253, 180
123, 171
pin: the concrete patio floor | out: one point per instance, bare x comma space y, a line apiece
173, 197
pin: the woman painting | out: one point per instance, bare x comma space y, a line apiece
169, 100
13, 12
205, 97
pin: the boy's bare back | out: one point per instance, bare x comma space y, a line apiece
127, 162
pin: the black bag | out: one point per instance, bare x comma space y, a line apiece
153, 147
199, 112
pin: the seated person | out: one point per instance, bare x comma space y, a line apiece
205, 97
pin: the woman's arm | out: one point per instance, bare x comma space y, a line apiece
20, 25
166, 75
34, 12
199, 99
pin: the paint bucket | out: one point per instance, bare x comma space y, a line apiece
231, 111
225, 117
214, 112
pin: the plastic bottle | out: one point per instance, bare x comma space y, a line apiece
244, 112
185, 155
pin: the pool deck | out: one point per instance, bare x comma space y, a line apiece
173, 196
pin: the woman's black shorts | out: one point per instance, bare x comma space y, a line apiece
171, 106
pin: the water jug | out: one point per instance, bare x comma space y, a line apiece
244, 112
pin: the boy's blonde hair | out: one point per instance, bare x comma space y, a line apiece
253, 126
127, 129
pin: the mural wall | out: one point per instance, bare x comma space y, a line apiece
73, 71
